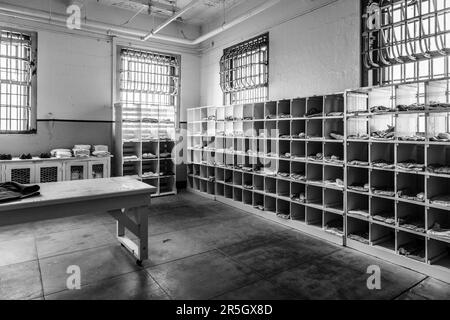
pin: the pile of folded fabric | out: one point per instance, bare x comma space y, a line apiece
408, 194
259, 207
411, 107
101, 151
283, 174
5, 157
414, 250
383, 191
359, 136
149, 174
298, 197
335, 227
412, 138
410, 165
335, 183
333, 159
360, 236
12, 191
81, 151
441, 137
335, 114
284, 216
148, 156
316, 157
336, 136
165, 155
362, 187
383, 164
61, 153
412, 223
286, 155
360, 212
301, 135
285, 136
314, 112
284, 116
385, 217
298, 176
438, 231
26, 156
356, 162
438, 105
387, 134
380, 109
441, 200
271, 116
439, 169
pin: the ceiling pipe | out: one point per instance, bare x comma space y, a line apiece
177, 15
40, 16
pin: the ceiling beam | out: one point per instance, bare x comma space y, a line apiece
157, 6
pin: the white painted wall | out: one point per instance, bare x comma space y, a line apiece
311, 52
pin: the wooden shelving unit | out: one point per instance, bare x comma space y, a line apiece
362, 169
145, 145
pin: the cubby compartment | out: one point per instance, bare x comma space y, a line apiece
284, 129
203, 172
382, 156
438, 224
438, 192
151, 169
228, 192
284, 170
334, 153
358, 154
247, 128
358, 128
382, 183
334, 201
411, 127
439, 253
298, 193
334, 129
298, 150
411, 245
298, 108
271, 130
314, 217
190, 182
411, 217
438, 159
314, 106
239, 146
248, 181
298, 212
358, 179
283, 189
437, 124
258, 111
298, 171
228, 176
211, 187
358, 205
247, 197
271, 110
284, 149
357, 102
411, 157
204, 186
237, 178
382, 127
383, 211
333, 223
284, 109
382, 237
314, 151
258, 183
270, 185
270, 204
314, 195
220, 189
283, 209
334, 105
248, 112
381, 100
166, 167
237, 194
258, 201
333, 177
314, 173
411, 187
298, 129
314, 129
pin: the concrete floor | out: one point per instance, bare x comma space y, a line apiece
199, 249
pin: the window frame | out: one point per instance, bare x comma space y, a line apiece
33, 88
265, 74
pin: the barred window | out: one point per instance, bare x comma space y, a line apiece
151, 81
17, 82
405, 40
244, 71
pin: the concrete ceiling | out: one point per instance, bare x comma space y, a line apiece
205, 12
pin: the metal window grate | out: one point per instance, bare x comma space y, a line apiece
76, 173
244, 71
151, 81
48, 174
21, 175
97, 171
405, 41
15, 82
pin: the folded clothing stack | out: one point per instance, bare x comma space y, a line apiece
438, 168
81, 150
101, 151
387, 134
11, 191
61, 153
438, 231
441, 137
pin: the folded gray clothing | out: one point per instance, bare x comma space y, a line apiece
410, 165
284, 116
12, 191
333, 159
298, 176
360, 236
259, 207
335, 114
412, 138
383, 164
283, 174
441, 200
385, 217
335, 227
361, 163
285, 136
285, 156
360, 212
411, 107
437, 168
316, 157
336, 182
413, 249
411, 195
359, 187
336, 136
387, 134
248, 187
298, 197
284, 216
437, 231
383, 192
377, 109
439, 105
359, 136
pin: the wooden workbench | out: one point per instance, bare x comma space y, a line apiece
124, 198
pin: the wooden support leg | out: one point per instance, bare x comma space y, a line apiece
120, 228
143, 234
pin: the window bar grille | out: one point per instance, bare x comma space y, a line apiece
411, 43
244, 71
15, 82
151, 81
